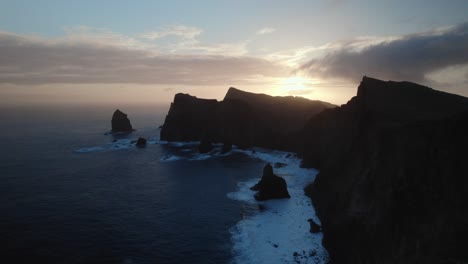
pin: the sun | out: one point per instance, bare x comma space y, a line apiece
294, 83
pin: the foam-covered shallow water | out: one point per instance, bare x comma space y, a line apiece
279, 232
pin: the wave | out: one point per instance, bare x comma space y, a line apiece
119, 144
170, 158
90, 149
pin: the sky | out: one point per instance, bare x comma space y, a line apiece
115, 52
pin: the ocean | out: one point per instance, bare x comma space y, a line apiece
73, 193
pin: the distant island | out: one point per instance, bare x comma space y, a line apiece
393, 184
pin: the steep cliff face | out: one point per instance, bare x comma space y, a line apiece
392, 186
282, 114
242, 118
189, 118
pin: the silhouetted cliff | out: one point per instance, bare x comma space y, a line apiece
282, 114
393, 185
242, 118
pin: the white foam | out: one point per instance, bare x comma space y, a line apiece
183, 144
170, 158
186, 150
201, 157
274, 234
153, 141
120, 144
90, 149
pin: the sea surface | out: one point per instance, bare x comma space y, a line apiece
73, 193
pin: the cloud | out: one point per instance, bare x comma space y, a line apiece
95, 36
410, 57
188, 43
181, 31
266, 30
77, 59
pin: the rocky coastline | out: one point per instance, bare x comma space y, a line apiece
392, 186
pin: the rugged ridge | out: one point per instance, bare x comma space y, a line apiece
242, 118
286, 114
392, 186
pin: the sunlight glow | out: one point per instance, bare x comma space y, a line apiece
294, 83
298, 85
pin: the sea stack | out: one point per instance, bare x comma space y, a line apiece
120, 122
270, 186
141, 142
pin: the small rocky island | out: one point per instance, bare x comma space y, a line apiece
270, 186
120, 122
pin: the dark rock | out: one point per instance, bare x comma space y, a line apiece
392, 179
280, 165
190, 119
314, 227
270, 186
120, 122
226, 148
141, 142
242, 118
205, 146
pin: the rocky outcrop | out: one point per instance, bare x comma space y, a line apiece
314, 227
141, 142
243, 119
270, 186
205, 146
226, 147
189, 118
120, 122
392, 179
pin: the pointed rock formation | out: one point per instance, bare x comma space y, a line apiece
141, 142
270, 186
120, 122
205, 146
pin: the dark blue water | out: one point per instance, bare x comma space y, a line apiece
110, 206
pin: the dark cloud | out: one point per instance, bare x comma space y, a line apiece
410, 57
32, 60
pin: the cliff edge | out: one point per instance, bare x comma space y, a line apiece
393, 185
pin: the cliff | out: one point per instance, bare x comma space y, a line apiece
283, 114
392, 186
242, 118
